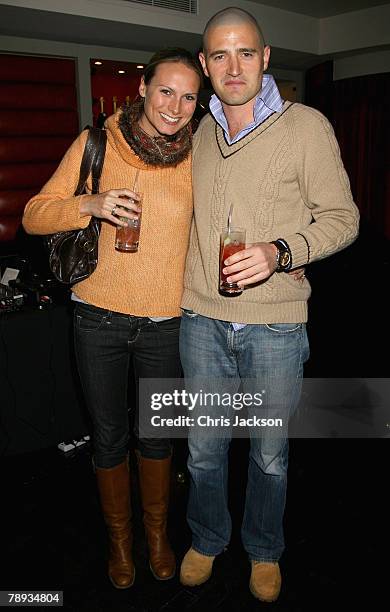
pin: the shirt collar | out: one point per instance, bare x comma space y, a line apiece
267, 101
269, 96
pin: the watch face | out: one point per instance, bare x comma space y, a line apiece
284, 259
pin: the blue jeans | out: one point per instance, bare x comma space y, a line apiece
268, 353
107, 345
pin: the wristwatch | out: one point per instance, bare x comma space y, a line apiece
283, 255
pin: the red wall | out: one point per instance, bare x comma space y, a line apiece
38, 122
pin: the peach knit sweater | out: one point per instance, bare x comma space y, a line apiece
150, 281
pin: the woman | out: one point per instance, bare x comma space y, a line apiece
127, 312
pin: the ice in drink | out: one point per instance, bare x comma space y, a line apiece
231, 242
127, 237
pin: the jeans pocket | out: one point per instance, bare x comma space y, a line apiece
89, 321
283, 328
189, 313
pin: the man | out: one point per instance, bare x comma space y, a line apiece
279, 164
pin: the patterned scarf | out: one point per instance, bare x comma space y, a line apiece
153, 150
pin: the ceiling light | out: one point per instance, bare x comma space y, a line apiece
140, 66
121, 72
97, 63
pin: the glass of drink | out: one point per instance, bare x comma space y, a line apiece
232, 240
127, 237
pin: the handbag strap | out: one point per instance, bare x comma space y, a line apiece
92, 160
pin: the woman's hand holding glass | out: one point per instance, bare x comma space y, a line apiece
111, 205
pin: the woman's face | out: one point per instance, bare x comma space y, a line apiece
170, 99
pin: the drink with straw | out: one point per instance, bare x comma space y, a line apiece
232, 241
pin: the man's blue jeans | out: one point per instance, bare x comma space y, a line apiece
273, 354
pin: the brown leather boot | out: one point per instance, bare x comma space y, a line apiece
114, 490
154, 476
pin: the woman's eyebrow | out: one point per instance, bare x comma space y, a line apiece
172, 89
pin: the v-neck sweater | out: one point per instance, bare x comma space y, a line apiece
286, 180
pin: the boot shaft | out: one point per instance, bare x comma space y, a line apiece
154, 477
114, 491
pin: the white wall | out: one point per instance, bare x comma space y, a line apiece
357, 30
359, 65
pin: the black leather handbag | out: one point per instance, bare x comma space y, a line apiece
73, 255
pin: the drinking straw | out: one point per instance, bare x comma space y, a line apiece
136, 181
230, 217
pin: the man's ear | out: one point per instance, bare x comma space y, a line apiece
202, 60
142, 88
266, 56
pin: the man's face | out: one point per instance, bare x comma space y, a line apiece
235, 61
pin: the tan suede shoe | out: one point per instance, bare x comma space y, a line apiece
195, 568
265, 581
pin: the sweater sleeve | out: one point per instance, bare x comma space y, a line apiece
55, 208
325, 189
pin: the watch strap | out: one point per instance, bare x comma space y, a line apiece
282, 247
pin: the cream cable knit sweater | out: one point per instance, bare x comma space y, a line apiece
286, 180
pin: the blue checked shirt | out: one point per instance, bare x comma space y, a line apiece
268, 101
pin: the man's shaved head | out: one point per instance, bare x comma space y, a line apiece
231, 16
